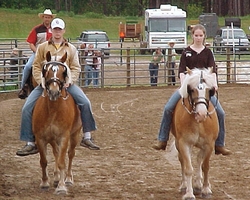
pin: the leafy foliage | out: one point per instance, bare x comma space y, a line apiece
105, 7
194, 10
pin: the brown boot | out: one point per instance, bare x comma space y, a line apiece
23, 93
161, 145
222, 150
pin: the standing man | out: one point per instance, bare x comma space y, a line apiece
57, 46
157, 57
88, 71
38, 35
172, 55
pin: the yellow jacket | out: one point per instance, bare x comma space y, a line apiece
40, 59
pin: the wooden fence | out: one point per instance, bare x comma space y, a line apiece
126, 67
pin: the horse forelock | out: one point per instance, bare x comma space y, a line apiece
196, 77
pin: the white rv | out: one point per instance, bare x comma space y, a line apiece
163, 25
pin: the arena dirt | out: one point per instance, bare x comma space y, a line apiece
127, 167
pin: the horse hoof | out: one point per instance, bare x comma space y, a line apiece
189, 198
197, 191
44, 185
44, 188
206, 196
68, 183
61, 191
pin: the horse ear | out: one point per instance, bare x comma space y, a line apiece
63, 59
189, 71
48, 56
210, 69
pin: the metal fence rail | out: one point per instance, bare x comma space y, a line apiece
126, 67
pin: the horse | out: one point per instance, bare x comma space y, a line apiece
195, 124
56, 121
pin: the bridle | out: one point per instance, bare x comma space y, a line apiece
194, 101
54, 67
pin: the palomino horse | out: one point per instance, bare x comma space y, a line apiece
56, 121
195, 123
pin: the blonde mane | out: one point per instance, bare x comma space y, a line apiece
193, 79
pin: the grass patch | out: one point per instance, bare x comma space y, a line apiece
18, 23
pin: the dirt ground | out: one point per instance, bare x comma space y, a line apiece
127, 167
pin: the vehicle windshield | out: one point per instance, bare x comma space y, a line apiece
167, 25
237, 34
97, 38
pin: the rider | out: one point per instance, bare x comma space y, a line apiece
199, 56
38, 35
57, 46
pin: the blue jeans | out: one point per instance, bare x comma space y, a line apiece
27, 70
95, 77
172, 72
168, 113
153, 72
81, 100
88, 74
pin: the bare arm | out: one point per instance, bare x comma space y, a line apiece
32, 47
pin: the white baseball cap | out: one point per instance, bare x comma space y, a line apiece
57, 23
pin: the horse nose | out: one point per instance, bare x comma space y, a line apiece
201, 113
200, 116
53, 95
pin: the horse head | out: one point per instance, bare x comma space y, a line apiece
198, 87
54, 75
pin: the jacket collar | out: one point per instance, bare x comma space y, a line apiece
64, 43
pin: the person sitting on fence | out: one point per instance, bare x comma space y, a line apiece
88, 72
154, 66
14, 61
14, 54
38, 35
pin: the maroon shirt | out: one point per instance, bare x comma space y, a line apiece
192, 59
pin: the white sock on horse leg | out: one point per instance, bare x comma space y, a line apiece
87, 135
31, 143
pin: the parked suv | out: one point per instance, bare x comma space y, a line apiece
227, 36
98, 38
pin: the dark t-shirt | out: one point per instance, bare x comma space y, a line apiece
192, 59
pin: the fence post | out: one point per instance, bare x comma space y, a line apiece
102, 69
228, 64
20, 67
169, 66
128, 67
82, 64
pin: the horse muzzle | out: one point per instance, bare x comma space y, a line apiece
53, 95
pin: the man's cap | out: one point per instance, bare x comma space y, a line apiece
46, 12
57, 23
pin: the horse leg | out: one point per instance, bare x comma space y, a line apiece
185, 153
71, 154
55, 149
42, 147
198, 181
61, 187
183, 185
206, 190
